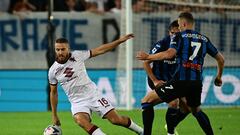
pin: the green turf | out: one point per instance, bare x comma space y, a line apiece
225, 121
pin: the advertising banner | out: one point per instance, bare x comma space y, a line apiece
16, 93
23, 41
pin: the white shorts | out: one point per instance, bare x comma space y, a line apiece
98, 104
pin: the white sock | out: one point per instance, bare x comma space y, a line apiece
133, 126
98, 131
170, 134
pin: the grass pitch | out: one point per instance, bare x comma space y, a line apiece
225, 121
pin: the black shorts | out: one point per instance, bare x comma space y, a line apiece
175, 89
150, 83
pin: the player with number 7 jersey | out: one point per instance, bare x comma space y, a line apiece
190, 48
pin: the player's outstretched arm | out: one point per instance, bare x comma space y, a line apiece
168, 54
220, 61
54, 102
109, 46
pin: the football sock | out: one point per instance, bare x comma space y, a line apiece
134, 127
171, 117
204, 122
147, 116
95, 131
180, 116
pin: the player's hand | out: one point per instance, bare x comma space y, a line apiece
158, 83
56, 121
126, 37
218, 81
141, 55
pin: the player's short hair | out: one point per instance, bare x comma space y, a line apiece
187, 16
61, 40
173, 25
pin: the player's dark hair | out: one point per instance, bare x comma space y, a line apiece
61, 40
173, 25
188, 16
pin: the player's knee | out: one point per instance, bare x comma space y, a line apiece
79, 122
143, 100
173, 104
146, 99
195, 110
147, 102
185, 110
151, 97
82, 122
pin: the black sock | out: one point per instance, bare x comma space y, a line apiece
92, 129
171, 117
180, 116
147, 116
204, 122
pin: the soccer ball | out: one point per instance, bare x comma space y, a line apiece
52, 130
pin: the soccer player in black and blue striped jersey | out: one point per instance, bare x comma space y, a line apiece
190, 47
158, 73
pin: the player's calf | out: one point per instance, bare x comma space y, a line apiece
148, 112
175, 115
147, 116
119, 120
84, 121
124, 121
204, 122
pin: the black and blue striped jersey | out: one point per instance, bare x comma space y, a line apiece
191, 48
165, 69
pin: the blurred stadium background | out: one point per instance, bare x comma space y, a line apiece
25, 45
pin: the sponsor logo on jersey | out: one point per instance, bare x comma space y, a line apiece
68, 71
170, 61
192, 66
58, 70
72, 59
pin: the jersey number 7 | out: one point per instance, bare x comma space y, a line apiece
195, 52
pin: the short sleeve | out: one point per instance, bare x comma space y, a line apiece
174, 43
155, 48
82, 55
51, 77
211, 49
160, 46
